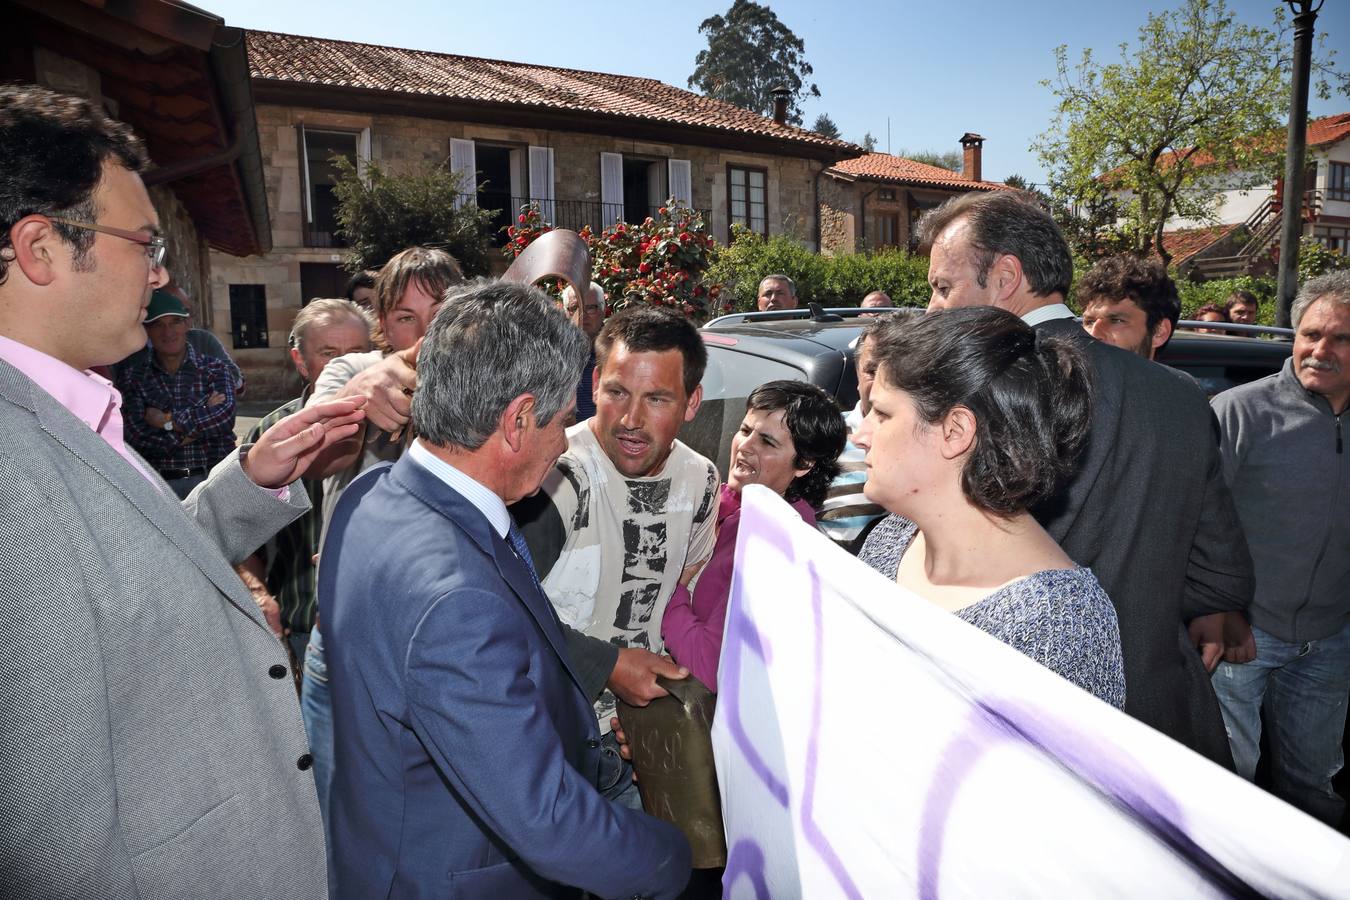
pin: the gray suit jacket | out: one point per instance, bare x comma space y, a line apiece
1150, 514
150, 740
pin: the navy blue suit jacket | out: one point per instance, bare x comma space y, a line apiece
466, 752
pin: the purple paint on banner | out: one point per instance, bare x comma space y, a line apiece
742, 635
813, 833
1100, 766
746, 859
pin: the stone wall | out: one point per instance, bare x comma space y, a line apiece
404, 142
187, 257
838, 217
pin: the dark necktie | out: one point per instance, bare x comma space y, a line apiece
517, 542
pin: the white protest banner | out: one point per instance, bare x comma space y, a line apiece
870, 744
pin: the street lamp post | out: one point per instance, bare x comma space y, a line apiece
1305, 14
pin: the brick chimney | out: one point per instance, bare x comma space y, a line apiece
970, 156
781, 95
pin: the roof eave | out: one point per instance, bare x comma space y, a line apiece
377, 101
929, 185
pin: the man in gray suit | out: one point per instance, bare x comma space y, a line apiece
1148, 511
150, 740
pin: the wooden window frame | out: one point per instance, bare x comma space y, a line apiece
731, 219
1342, 192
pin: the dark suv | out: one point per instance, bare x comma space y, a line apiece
747, 349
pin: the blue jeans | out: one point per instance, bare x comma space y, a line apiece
316, 707
616, 775
1304, 688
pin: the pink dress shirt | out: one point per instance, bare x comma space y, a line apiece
90, 397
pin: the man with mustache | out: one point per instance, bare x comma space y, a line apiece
1285, 458
628, 511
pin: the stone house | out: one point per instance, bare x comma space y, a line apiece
589, 147
179, 77
875, 200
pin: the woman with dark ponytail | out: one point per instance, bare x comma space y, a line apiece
974, 422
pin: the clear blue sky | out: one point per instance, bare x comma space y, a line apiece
932, 70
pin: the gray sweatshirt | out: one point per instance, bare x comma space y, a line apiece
1285, 459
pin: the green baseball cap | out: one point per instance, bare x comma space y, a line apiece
162, 304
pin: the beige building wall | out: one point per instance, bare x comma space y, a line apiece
402, 142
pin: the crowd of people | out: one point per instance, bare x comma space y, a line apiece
476, 529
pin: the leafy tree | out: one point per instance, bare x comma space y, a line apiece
750, 52
825, 126
1199, 103
381, 213
951, 159
868, 142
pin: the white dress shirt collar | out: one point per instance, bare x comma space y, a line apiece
1048, 314
482, 499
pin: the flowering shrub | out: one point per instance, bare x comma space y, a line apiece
661, 261
529, 225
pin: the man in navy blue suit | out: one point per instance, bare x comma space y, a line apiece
466, 748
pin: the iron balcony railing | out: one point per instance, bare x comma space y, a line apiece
570, 214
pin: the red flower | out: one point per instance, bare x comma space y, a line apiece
645, 268
522, 220
661, 211
685, 237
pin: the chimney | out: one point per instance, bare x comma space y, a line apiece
781, 95
970, 157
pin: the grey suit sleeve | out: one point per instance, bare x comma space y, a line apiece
1219, 574
237, 514
59, 831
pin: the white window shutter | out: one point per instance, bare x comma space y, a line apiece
304, 177
363, 156
462, 161
611, 189
681, 181
541, 180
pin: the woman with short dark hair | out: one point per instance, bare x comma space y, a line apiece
789, 441
974, 421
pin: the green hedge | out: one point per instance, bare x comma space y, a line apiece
845, 280
828, 280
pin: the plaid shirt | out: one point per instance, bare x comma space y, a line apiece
290, 568
202, 435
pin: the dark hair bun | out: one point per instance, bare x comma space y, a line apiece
1031, 398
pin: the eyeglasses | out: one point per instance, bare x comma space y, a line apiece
155, 245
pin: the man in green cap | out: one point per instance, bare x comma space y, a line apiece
200, 339
178, 404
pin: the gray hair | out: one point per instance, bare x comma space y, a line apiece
1011, 223
490, 342
1333, 286
779, 276
595, 291
321, 312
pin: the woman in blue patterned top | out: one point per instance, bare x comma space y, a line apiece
973, 423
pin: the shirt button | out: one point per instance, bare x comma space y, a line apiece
277, 671
304, 762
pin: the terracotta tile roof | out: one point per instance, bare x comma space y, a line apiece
289, 58
1184, 243
885, 167
1328, 129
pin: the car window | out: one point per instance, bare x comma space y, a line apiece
727, 382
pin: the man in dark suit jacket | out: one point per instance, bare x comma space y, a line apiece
1148, 511
466, 749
